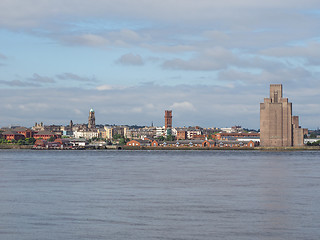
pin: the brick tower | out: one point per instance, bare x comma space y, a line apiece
168, 121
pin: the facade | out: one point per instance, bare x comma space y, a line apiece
139, 143
139, 133
278, 128
91, 119
44, 135
181, 133
160, 131
12, 135
192, 131
26, 132
87, 134
192, 144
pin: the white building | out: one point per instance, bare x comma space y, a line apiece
86, 134
160, 131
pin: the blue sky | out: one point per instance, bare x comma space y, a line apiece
209, 61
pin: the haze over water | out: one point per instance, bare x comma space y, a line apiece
159, 195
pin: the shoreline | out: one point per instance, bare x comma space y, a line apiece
124, 147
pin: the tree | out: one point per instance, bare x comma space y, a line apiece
170, 138
117, 136
122, 141
161, 138
51, 139
313, 135
30, 141
21, 142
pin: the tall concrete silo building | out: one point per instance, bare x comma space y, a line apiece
278, 128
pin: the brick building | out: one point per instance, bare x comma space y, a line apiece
12, 135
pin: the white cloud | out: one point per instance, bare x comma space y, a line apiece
75, 77
41, 79
205, 105
93, 40
309, 52
130, 59
183, 106
107, 87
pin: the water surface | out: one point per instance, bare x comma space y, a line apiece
159, 195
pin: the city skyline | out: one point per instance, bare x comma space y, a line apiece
210, 62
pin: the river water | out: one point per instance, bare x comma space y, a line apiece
159, 195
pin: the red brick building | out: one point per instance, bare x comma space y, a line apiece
181, 134
44, 135
222, 136
138, 143
12, 135
28, 133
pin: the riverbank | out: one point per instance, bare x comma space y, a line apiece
15, 146
124, 147
304, 148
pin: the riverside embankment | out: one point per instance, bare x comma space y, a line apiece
124, 147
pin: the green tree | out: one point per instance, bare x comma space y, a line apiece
161, 138
117, 136
30, 141
21, 142
122, 141
313, 135
170, 138
51, 139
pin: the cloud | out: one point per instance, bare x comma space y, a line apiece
211, 59
93, 40
184, 106
18, 83
107, 87
202, 105
32, 13
74, 77
310, 52
130, 59
3, 57
41, 79
285, 75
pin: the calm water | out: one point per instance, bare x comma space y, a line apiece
159, 195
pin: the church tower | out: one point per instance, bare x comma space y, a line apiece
92, 119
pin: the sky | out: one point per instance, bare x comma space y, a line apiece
211, 62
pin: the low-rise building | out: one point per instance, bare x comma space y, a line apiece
45, 135
191, 131
139, 133
181, 133
139, 143
26, 132
87, 134
12, 135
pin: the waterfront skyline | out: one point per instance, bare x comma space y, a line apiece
210, 62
